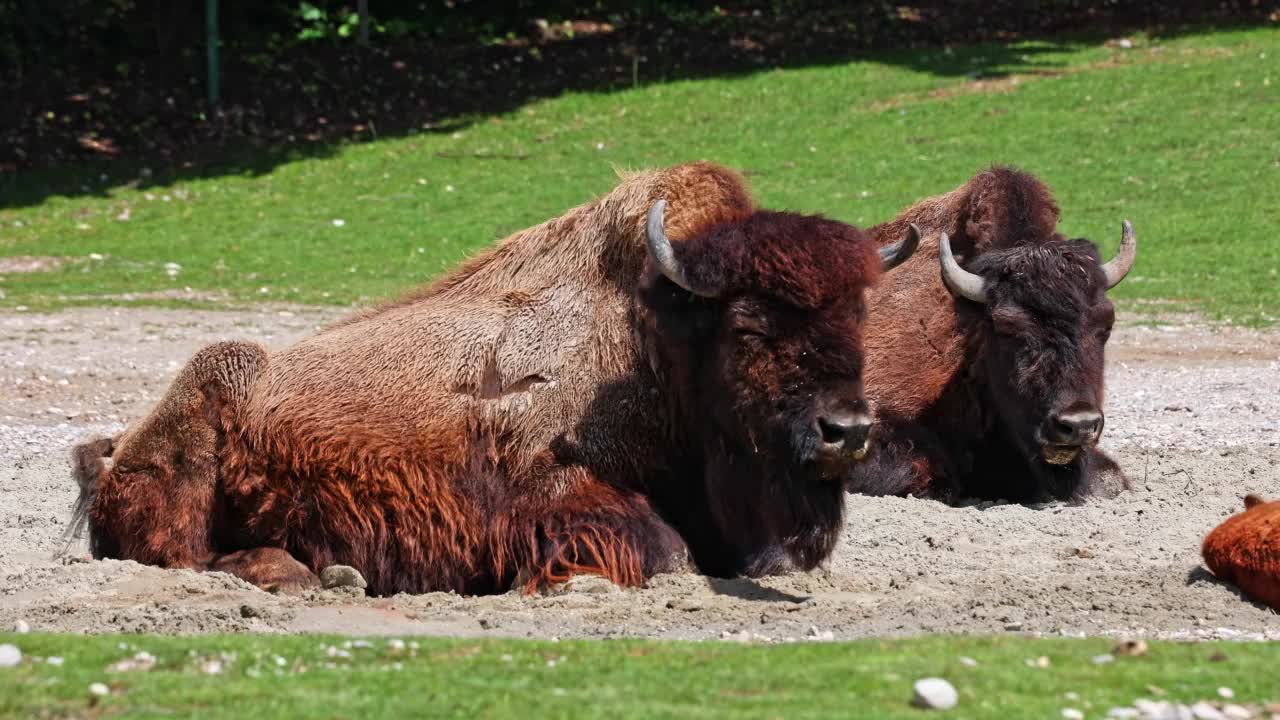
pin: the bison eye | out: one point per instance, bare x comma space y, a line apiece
750, 325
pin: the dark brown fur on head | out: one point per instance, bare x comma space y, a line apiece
751, 368
1048, 320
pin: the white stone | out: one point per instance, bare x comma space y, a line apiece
10, 656
1226, 693
934, 693
21, 626
1235, 712
1072, 714
99, 689
336, 576
1204, 711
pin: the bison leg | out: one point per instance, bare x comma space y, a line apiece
901, 465
155, 499
272, 569
595, 529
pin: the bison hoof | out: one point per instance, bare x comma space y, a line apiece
342, 576
272, 569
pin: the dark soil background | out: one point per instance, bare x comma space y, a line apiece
110, 79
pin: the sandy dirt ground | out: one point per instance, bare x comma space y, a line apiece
1193, 415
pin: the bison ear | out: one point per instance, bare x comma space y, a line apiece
664, 255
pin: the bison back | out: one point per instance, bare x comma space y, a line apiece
1245, 551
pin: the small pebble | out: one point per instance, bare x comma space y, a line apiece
54, 660
1204, 711
934, 694
1131, 648
1120, 713
1236, 712
336, 576
968, 662
1226, 693
99, 689
1103, 659
1072, 714
21, 627
10, 656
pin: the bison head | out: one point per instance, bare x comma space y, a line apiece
758, 324
1047, 322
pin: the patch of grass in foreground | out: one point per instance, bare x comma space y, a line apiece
1178, 134
621, 678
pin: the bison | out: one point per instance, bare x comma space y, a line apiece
664, 372
985, 352
1245, 551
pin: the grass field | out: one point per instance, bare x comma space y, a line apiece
1182, 135
501, 678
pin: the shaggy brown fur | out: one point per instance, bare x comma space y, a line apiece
962, 389
1245, 551
554, 406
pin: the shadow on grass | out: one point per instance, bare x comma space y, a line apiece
102, 131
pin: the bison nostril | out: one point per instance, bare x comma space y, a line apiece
834, 430
846, 432
1076, 427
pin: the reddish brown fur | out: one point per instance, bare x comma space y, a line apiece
936, 366
1245, 551
514, 418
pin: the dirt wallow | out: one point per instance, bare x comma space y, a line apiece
1192, 416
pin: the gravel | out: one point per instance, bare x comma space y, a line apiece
1192, 416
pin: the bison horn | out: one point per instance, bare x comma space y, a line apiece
662, 252
1122, 263
897, 253
959, 281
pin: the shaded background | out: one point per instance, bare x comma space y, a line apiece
88, 79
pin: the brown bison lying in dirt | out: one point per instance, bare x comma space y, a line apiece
586, 397
1245, 551
987, 378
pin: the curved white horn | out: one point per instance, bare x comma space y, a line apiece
662, 252
892, 256
959, 281
1117, 267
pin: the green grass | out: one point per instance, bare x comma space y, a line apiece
503, 678
1181, 135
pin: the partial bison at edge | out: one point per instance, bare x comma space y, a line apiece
1245, 551
665, 372
986, 371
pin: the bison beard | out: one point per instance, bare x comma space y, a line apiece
569, 402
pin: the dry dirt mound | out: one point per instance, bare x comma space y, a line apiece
1192, 416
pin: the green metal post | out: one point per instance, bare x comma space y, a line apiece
211, 49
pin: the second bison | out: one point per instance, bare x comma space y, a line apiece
985, 351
